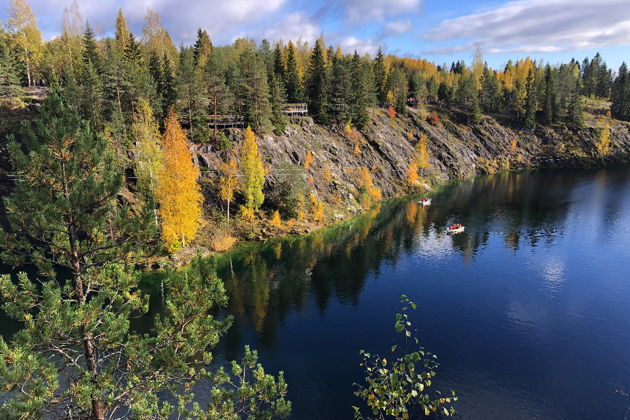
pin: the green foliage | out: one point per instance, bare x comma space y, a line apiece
11, 92
380, 77
398, 386
317, 83
292, 82
244, 391
254, 94
64, 211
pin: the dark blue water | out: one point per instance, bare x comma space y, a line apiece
528, 310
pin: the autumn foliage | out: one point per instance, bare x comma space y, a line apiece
308, 160
412, 173
253, 175
178, 192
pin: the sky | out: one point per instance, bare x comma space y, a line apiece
441, 31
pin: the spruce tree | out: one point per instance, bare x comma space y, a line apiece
530, 101
11, 92
317, 83
340, 90
490, 100
253, 91
202, 48
292, 82
620, 107
279, 64
189, 91
380, 77
398, 86
168, 88
549, 99
361, 86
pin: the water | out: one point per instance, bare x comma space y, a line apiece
528, 310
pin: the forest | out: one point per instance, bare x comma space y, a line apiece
126, 87
104, 183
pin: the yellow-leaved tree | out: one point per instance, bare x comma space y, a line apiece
23, 29
149, 157
422, 159
253, 175
603, 144
178, 191
228, 183
412, 173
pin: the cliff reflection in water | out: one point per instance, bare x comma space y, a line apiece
267, 281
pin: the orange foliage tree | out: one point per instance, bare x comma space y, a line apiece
178, 192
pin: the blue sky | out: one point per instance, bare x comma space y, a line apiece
440, 30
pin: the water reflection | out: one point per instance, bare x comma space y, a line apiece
268, 281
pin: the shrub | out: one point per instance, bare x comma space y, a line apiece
434, 118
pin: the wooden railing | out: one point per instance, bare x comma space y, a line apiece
295, 109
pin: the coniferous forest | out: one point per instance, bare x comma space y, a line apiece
103, 184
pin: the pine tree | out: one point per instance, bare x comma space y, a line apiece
76, 354
380, 77
178, 192
253, 175
65, 216
292, 82
317, 83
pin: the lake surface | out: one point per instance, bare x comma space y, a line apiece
528, 310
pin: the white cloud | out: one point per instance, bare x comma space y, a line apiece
362, 46
368, 10
222, 19
296, 26
397, 27
531, 26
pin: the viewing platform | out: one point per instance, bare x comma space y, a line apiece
295, 110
